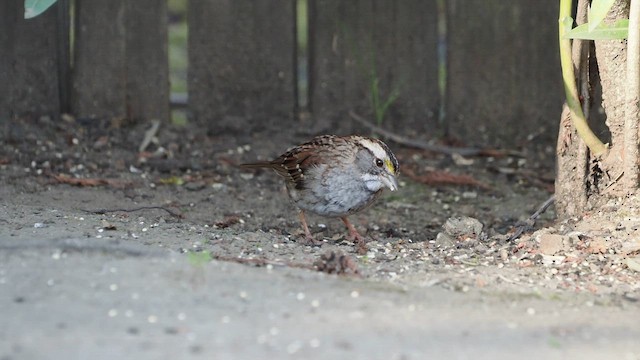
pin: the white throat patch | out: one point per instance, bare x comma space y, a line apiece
372, 182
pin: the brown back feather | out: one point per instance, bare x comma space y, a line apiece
292, 164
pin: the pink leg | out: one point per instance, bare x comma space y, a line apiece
308, 238
360, 242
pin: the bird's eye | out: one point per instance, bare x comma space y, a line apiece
379, 162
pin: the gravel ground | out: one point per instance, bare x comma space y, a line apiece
173, 252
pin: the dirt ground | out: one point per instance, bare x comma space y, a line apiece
172, 251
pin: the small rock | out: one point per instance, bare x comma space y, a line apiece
481, 248
462, 226
101, 142
598, 246
195, 185
551, 244
631, 246
107, 225
444, 240
218, 186
548, 260
504, 255
469, 195
461, 160
630, 296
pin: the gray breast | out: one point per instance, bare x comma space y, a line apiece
333, 194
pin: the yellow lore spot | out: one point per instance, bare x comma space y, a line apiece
389, 165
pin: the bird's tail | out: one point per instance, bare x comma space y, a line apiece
257, 165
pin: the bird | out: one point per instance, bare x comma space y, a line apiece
335, 176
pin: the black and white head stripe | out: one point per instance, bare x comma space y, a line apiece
381, 151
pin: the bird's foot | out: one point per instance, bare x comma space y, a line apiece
359, 240
310, 240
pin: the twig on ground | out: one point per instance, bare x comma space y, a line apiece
442, 177
104, 211
426, 146
528, 224
615, 181
64, 179
149, 135
331, 262
229, 220
262, 262
507, 280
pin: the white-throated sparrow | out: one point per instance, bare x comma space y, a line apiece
336, 176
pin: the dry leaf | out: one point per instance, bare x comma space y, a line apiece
633, 264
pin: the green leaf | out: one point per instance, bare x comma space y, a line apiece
567, 23
172, 180
597, 12
199, 258
33, 8
618, 30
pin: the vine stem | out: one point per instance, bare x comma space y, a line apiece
577, 116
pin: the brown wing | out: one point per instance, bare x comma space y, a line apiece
295, 163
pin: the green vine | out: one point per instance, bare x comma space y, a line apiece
573, 102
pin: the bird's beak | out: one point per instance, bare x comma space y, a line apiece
390, 181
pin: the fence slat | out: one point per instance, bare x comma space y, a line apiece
504, 69
99, 78
121, 64
358, 42
147, 60
28, 63
241, 64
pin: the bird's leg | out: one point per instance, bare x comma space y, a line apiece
359, 240
308, 238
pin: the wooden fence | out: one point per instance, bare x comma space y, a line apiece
502, 70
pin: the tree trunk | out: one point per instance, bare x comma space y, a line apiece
585, 182
611, 56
